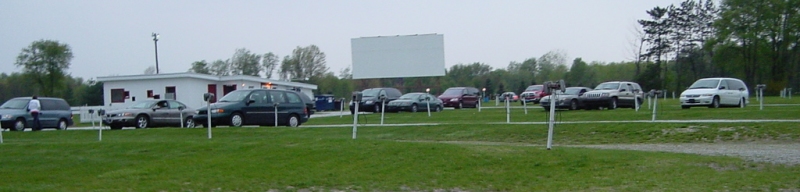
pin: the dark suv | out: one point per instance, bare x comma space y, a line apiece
256, 107
55, 113
460, 97
371, 100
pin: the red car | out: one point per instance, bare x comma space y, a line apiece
533, 94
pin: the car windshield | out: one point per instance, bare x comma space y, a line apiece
607, 86
235, 96
409, 96
142, 105
15, 104
705, 84
572, 91
370, 92
534, 88
453, 92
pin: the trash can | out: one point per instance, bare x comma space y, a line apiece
324, 102
337, 104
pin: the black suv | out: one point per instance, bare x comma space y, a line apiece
371, 101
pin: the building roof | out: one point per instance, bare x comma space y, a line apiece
205, 77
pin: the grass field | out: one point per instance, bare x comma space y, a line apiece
469, 151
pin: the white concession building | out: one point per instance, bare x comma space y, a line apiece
187, 87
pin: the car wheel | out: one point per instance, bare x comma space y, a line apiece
573, 105
377, 109
352, 112
414, 108
741, 103
236, 120
460, 105
189, 122
62, 125
116, 127
294, 121
142, 122
714, 102
685, 107
613, 103
439, 108
19, 125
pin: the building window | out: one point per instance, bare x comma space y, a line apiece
118, 95
170, 93
149, 93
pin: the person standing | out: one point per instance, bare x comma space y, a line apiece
33, 107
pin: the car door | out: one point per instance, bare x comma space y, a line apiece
160, 113
471, 97
293, 105
48, 115
278, 104
724, 93
626, 94
257, 109
737, 91
173, 116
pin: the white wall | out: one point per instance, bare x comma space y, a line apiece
187, 90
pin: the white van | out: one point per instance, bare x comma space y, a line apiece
716, 92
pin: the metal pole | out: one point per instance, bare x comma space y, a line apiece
496, 101
761, 100
100, 130
480, 100
276, 114
208, 121
383, 106
525, 106
508, 111
341, 106
181, 111
673, 95
551, 123
1, 135
649, 102
355, 120
155, 41
655, 105
636, 101
429, 106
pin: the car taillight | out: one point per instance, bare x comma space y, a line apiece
305, 110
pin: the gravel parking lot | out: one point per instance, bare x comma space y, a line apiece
788, 154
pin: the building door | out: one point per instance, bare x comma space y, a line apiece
212, 88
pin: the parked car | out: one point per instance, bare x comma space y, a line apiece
533, 94
569, 99
54, 113
715, 92
512, 97
460, 97
256, 107
613, 94
414, 102
371, 99
311, 106
150, 113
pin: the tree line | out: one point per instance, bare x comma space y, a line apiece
756, 41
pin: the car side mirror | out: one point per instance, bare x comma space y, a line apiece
622, 90
251, 101
421, 99
721, 88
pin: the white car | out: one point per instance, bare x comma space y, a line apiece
715, 92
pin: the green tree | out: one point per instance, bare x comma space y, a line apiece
579, 74
304, 63
220, 68
243, 62
46, 62
200, 67
269, 62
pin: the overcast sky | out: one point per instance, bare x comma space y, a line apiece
114, 37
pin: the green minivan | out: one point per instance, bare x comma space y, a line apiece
55, 113
256, 107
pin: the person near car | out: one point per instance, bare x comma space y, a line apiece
33, 107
